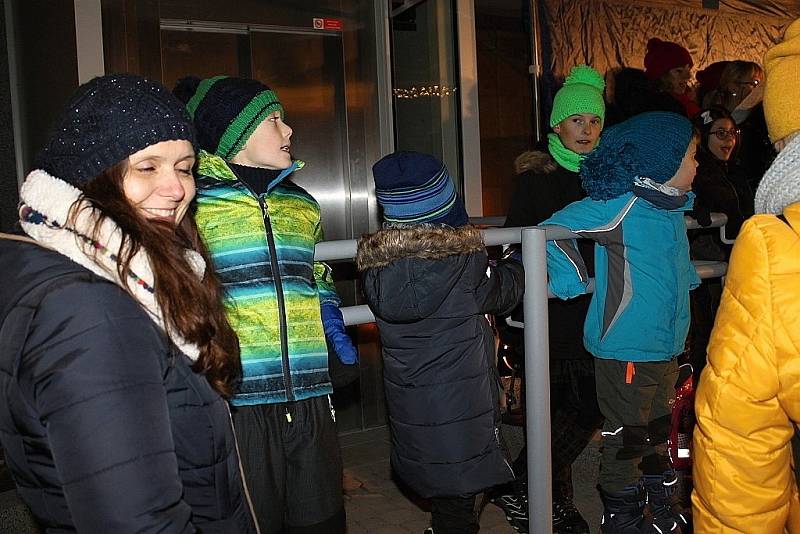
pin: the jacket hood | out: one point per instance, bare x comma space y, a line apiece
410, 271
415, 241
537, 161
214, 166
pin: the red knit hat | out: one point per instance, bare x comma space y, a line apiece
662, 56
710, 76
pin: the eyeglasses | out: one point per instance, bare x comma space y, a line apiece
753, 83
723, 134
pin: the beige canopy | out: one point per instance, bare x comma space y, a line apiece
612, 33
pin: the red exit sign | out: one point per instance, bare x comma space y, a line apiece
327, 24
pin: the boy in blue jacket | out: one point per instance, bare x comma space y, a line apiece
638, 181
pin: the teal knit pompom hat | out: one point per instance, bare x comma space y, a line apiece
649, 145
582, 93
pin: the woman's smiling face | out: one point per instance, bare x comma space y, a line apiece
159, 182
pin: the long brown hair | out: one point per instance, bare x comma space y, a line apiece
190, 306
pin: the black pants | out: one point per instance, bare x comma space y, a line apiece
293, 466
455, 515
575, 417
704, 301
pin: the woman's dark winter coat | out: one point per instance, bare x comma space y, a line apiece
429, 288
720, 187
543, 187
105, 427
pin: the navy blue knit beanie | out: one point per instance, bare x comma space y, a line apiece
226, 110
414, 188
107, 119
650, 145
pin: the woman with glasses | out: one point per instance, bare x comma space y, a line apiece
741, 89
721, 187
720, 184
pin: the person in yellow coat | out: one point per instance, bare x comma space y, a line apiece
748, 400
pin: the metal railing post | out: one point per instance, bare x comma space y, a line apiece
537, 382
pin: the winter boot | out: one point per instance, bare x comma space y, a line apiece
515, 506
665, 504
567, 519
623, 511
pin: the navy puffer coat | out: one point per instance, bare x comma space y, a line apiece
429, 288
104, 426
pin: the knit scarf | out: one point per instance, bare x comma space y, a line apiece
565, 157
45, 207
659, 195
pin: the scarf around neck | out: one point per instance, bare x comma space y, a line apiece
659, 195
565, 157
45, 206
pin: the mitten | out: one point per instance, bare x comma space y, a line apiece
333, 324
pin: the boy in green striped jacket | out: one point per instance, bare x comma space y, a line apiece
260, 229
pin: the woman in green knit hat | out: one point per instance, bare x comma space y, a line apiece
547, 181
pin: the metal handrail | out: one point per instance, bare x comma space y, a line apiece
537, 350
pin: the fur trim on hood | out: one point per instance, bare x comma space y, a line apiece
536, 161
421, 241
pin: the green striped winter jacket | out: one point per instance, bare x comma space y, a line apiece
277, 318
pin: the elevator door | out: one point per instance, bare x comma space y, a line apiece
306, 69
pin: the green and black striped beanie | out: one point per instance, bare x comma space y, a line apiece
226, 110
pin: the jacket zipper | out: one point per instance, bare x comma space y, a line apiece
247, 496
273, 259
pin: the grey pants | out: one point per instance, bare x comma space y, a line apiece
636, 400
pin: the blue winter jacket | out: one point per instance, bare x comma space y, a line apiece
640, 308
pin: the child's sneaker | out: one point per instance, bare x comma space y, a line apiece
567, 519
515, 506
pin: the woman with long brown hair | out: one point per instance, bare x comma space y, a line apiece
115, 353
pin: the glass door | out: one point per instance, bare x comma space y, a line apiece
425, 80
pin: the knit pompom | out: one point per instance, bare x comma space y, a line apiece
586, 75
607, 174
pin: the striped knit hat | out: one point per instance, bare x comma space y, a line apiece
415, 188
226, 110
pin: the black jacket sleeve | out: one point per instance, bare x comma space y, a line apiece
92, 369
502, 288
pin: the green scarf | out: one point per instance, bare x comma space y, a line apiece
565, 157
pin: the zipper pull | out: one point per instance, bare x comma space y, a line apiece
288, 416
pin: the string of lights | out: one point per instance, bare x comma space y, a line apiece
440, 91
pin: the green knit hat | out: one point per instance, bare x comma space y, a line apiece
226, 110
582, 93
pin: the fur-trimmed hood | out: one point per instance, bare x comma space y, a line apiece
536, 161
410, 271
430, 242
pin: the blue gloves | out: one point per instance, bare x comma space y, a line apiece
333, 324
